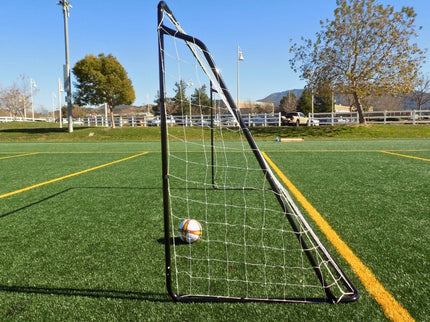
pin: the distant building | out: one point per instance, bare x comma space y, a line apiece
347, 109
247, 107
342, 108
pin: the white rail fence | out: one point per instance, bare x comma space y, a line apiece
264, 119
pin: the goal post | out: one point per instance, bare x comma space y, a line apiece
256, 245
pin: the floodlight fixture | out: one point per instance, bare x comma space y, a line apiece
66, 6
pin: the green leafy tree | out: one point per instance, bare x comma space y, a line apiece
323, 100
304, 104
182, 103
179, 104
366, 49
156, 106
102, 79
200, 101
323, 103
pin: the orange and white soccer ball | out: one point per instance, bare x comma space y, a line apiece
190, 231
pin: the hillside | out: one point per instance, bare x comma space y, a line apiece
276, 97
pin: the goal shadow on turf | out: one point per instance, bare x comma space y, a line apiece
68, 190
41, 130
93, 293
172, 241
34, 203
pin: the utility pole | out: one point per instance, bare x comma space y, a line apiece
32, 84
239, 58
60, 116
67, 81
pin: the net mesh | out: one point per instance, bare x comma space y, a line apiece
255, 243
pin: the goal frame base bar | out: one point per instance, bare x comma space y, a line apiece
226, 299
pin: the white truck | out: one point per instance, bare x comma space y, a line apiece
294, 118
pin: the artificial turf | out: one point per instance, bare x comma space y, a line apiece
90, 247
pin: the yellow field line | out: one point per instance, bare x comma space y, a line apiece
69, 176
391, 307
345, 151
76, 152
405, 155
18, 155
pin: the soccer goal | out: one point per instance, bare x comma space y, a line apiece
255, 244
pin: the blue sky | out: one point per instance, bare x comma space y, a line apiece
32, 38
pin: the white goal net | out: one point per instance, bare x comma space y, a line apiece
255, 245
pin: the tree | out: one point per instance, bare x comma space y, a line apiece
365, 50
179, 103
16, 98
323, 98
421, 94
198, 102
288, 103
102, 79
11, 100
304, 103
200, 99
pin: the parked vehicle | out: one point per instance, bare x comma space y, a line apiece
294, 118
202, 122
314, 122
156, 121
228, 121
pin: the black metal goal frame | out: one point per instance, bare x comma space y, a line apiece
163, 30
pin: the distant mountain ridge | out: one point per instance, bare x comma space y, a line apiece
276, 97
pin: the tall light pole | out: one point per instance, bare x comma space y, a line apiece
312, 108
32, 84
239, 58
53, 106
60, 116
67, 83
189, 84
332, 102
25, 108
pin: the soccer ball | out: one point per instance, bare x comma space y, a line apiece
190, 231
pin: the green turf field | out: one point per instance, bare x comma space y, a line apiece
84, 242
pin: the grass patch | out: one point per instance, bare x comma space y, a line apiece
48, 132
345, 132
